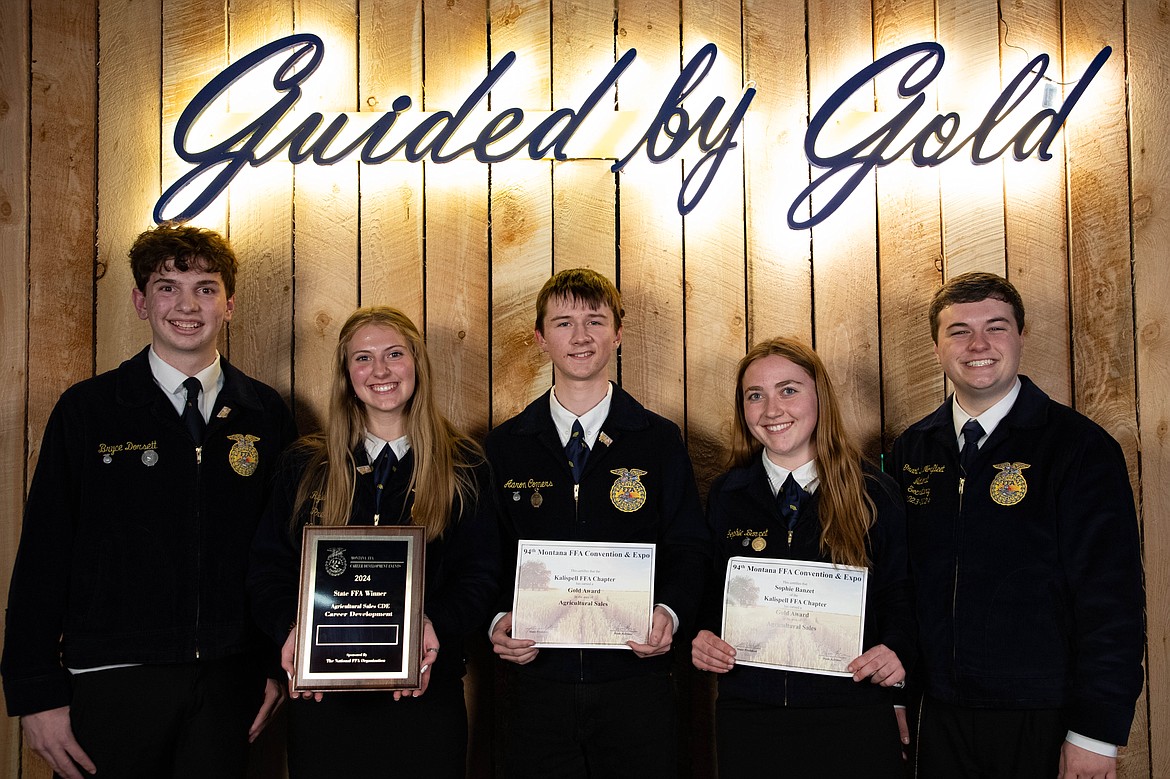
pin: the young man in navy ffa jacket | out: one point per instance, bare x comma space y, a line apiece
1025, 557
128, 649
594, 712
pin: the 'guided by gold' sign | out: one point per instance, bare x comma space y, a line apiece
254, 138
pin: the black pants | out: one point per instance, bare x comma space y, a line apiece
956, 742
151, 721
364, 735
604, 730
757, 740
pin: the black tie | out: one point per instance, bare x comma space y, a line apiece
972, 432
382, 467
788, 499
192, 416
577, 450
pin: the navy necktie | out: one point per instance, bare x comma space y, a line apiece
577, 451
788, 499
383, 465
192, 416
972, 432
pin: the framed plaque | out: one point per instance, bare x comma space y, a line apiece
583, 595
359, 620
794, 614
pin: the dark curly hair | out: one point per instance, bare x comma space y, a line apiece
185, 247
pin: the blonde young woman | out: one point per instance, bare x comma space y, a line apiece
798, 490
382, 406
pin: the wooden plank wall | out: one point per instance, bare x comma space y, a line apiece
90, 92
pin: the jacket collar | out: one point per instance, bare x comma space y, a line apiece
752, 479
135, 385
625, 413
1029, 411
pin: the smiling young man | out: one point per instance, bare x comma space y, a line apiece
129, 650
594, 712
1025, 557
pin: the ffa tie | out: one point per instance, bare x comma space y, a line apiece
972, 432
788, 499
577, 451
382, 467
192, 416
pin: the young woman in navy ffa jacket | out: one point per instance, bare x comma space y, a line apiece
382, 405
789, 439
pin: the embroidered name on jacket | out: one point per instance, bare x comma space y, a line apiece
918, 491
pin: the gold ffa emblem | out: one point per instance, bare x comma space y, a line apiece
1008, 487
243, 457
628, 493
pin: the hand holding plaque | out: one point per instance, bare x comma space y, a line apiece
360, 618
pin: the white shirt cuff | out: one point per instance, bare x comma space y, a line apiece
492, 627
1091, 744
673, 616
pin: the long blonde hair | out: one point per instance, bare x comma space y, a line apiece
846, 511
444, 458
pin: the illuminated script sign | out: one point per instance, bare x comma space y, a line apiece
259, 136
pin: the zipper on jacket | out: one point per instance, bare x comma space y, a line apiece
955, 586
198, 553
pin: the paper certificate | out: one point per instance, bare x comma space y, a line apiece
360, 614
583, 595
794, 615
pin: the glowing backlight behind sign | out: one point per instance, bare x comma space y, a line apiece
235, 140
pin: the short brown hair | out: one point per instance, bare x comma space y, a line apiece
186, 247
583, 286
971, 288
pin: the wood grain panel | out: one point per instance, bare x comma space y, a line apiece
458, 265
14, 272
1104, 373
522, 233
1149, 75
129, 165
1036, 205
909, 245
390, 64
779, 269
325, 244
714, 253
260, 214
845, 301
61, 221
972, 195
653, 368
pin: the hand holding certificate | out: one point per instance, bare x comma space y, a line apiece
794, 615
583, 595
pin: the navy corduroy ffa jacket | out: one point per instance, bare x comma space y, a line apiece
1029, 576
135, 546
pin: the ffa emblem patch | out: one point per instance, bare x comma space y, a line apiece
628, 493
335, 563
1008, 487
243, 457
